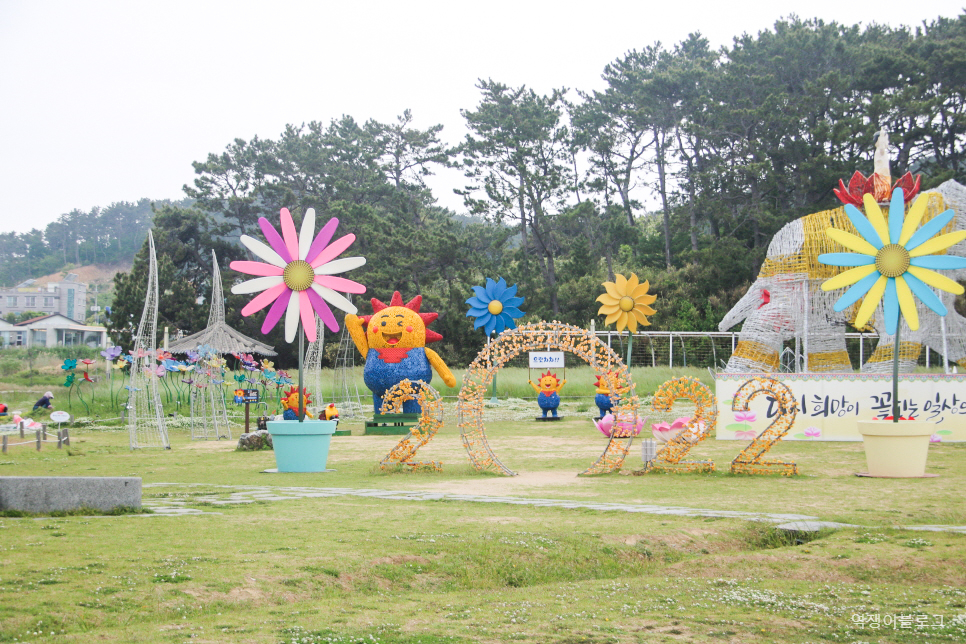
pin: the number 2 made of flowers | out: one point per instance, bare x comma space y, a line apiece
430, 420
670, 457
750, 460
540, 336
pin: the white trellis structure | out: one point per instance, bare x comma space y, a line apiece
345, 388
146, 422
313, 366
209, 415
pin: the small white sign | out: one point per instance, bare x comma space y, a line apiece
60, 417
546, 359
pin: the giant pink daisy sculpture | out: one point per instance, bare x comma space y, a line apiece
298, 276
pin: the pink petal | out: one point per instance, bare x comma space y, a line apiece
256, 268
274, 239
333, 250
277, 311
322, 239
339, 284
325, 313
263, 299
288, 232
308, 316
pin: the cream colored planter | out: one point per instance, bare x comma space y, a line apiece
896, 450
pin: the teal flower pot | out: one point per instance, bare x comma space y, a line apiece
301, 447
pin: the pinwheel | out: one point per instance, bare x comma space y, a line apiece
495, 306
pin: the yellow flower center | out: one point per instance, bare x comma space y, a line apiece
892, 260
626, 303
495, 307
298, 275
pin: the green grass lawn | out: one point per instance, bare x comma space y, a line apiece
355, 569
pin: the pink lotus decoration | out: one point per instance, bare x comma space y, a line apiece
665, 433
746, 435
745, 417
298, 275
935, 438
813, 432
624, 427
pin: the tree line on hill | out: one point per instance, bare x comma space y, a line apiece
99, 236
681, 168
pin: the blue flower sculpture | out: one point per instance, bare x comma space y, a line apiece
893, 261
495, 306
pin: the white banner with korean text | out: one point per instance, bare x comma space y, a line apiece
830, 404
546, 359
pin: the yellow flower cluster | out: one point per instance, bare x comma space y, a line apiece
702, 424
430, 421
750, 460
541, 336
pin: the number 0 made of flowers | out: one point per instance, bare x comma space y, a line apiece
430, 420
750, 460
537, 337
669, 458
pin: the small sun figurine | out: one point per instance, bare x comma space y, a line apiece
548, 392
290, 403
602, 397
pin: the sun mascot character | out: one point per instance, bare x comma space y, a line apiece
290, 403
393, 341
548, 392
602, 397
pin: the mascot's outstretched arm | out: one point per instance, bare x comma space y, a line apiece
354, 324
441, 368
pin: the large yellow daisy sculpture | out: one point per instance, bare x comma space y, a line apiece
892, 262
626, 303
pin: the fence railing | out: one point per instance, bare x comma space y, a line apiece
713, 349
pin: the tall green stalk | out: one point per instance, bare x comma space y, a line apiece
895, 376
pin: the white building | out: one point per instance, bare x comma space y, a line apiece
52, 331
67, 297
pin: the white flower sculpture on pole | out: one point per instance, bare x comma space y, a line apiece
298, 278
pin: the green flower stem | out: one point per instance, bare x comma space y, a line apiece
895, 375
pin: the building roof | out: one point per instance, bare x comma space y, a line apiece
69, 324
223, 339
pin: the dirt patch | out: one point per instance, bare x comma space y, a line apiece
520, 484
246, 593
91, 274
401, 559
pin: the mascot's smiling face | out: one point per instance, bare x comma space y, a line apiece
549, 382
398, 327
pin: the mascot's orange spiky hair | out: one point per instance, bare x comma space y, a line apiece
413, 305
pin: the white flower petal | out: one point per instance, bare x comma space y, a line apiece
292, 318
256, 285
337, 266
335, 299
306, 233
262, 251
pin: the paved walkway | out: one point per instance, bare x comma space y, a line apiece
239, 494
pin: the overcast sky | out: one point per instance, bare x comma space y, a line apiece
112, 101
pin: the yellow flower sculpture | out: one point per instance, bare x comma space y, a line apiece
626, 302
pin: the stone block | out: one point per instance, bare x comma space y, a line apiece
57, 493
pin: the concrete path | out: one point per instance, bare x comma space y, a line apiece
239, 494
